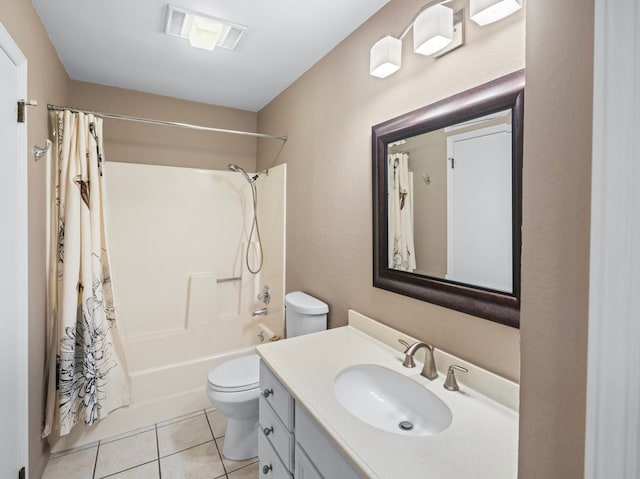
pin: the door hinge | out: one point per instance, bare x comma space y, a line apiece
21, 108
453, 162
22, 474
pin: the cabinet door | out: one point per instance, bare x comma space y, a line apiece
277, 396
270, 466
304, 467
277, 434
319, 448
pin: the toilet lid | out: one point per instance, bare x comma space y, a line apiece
239, 374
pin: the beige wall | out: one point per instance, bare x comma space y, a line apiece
430, 203
555, 266
47, 81
328, 114
161, 145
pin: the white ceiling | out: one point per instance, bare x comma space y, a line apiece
122, 43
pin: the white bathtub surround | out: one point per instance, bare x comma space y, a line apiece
481, 442
87, 375
186, 229
189, 229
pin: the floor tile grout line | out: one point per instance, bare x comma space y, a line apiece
95, 462
73, 450
215, 442
184, 417
125, 470
244, 467
109, 440
186, 449
158, 452
210, 426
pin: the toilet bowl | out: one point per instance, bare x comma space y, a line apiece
233, 388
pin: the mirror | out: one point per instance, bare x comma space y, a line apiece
447, 206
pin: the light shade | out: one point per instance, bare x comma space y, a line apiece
484, 12
385, 58
432, 30
205, 33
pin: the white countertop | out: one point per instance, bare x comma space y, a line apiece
480, 443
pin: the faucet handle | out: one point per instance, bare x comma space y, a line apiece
265, 295
450, 383
408, 358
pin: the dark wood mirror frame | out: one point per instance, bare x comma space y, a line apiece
504, 93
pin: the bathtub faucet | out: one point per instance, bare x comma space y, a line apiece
260, 312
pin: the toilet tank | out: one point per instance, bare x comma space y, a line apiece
304, 314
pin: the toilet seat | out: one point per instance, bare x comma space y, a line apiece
236, 375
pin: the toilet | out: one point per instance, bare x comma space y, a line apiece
234, 386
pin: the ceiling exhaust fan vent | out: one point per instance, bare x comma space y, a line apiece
203, 31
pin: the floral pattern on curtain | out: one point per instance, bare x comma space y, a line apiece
400, 205
86, 372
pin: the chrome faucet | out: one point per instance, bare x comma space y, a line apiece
260, 312
429, 370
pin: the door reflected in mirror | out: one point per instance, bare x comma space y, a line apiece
449, 203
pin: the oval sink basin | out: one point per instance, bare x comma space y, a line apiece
390, 401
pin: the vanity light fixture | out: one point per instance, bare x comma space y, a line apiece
437, 30
484, 12
385, 58
432, 30
202, 31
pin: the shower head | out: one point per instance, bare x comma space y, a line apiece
238, 169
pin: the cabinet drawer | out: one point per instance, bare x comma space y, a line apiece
304, 467
277, 434
319, 448
276, 396
270, 466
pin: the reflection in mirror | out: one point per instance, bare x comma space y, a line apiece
449, 203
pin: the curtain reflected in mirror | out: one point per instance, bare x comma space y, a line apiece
400, 203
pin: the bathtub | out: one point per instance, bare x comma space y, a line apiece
184, 298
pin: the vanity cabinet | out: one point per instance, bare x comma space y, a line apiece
291, 444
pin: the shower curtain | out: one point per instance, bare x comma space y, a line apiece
86, 372
400, 211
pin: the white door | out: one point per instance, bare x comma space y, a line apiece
13, 261
479, 206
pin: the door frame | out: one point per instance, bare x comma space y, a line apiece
8, 45
613, 364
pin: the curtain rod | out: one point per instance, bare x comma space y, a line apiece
51, 107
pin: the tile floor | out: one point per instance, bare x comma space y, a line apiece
187, 447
